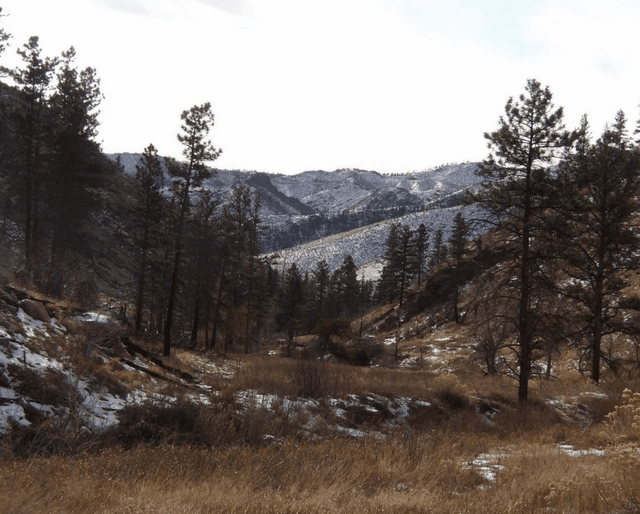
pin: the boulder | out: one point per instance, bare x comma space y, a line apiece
35, 309
8, 297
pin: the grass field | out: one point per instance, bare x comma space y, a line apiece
450, 460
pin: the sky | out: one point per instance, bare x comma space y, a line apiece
386, 85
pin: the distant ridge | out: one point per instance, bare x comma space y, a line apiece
323, 214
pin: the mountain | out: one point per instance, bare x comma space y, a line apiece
312, 205
330, 193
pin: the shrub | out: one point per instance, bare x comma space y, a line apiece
310, 377
624, 421
153, 423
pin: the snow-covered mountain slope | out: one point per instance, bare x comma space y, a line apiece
366, 245
332, 192
311, 205
326, 192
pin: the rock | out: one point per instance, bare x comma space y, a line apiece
35, 309
8, 297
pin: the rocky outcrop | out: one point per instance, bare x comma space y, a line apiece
35, 309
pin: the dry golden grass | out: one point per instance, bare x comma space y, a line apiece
407, 473
424, 466
278, 375
191, 458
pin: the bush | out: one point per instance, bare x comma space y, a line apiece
624, 421
310, 377
153, 423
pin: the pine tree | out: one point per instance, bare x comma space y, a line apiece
322, 280
529, 140
388, 289
252, 267
291, 303
458, 238
6, 137
439, 253
148, 209
422, 247
202, 240
77, 167
597, 237
406, 264
240, 224
347, 288
32, 129
4, 37
187, 176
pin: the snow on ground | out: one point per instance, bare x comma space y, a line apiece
366, 245
489, 465
97, 409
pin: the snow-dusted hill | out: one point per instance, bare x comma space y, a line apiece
309, 206
333, 192
366, 245
324, 192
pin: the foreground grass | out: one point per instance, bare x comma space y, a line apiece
409, 472
188, 458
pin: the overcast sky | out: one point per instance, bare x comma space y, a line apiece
295, 85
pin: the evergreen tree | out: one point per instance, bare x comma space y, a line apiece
597, 236
407, 261
422, 247
439, 254
148, 210
322, 281
6, 137
402, 261
187, 176
77, 167
291, 302
202, 240
528, 142
388, 287
347, 288
4, 37
252, 268
240, 223
458, 238
32, 128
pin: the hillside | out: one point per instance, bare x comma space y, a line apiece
395, 408
297, 209
93, 419
366, 245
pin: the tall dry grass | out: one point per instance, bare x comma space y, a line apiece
417, 468
407, 473
288, 377
187, 458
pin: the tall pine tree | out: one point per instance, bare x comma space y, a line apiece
32, 129
598, 239
187, 176
148, 209
528, 142
77, 165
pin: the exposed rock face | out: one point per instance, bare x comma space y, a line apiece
35, 309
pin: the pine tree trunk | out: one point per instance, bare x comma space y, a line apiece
597, 331
524, 313
171, 304
194, 328
140, 294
